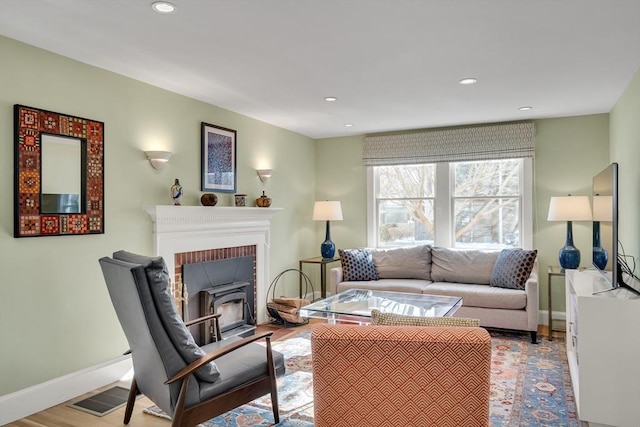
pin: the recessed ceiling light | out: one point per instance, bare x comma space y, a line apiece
163, 7
330, 98
468, 81
348, 125
525, 108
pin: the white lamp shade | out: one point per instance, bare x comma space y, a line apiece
602, 208
569, 208
327, 211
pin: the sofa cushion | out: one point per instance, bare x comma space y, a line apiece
513, 268
357, 264
474, 295
390, 319
159, 285
403, 263
462, 265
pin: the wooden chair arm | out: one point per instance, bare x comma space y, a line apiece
202, 319
190, 368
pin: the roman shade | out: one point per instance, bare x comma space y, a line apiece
504, 141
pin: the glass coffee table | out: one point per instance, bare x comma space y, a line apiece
355, 305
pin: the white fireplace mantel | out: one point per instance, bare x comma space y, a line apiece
178, 229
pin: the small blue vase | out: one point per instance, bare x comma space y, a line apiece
569, 255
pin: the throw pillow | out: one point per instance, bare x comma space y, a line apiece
357, 265
403, 263
513, 268
462, 265
159, 286
389, 319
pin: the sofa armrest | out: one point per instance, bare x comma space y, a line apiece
532, 290
335, 277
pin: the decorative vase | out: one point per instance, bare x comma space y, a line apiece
241, 200
208, 199
176, 192
263, 201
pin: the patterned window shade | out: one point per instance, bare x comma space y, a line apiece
508, 141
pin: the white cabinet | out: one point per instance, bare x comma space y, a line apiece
603, 350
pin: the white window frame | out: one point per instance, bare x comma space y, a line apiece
444, 205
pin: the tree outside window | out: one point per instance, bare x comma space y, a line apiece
484, 196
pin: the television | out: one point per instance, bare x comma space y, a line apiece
605, 256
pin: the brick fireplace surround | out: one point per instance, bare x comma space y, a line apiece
185, 234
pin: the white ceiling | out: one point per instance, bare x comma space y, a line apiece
393, 64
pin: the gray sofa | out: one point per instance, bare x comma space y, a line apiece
485, 280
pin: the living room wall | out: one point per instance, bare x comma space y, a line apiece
55, 314
625, 149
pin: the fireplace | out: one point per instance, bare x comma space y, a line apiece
188, 234
234, 303
224, 286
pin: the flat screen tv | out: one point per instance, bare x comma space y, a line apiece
605, 256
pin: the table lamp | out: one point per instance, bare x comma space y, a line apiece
569, 208
327, 210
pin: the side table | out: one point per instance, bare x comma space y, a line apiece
323, 262
552, 271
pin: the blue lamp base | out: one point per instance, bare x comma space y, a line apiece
569, 256
600, 255
328, 248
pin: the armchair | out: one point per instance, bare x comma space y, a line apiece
400, 375
190, 383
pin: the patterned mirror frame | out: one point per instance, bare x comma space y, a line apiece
30, 124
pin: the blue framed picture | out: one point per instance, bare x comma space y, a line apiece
218, 159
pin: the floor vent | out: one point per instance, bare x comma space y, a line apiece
104, 402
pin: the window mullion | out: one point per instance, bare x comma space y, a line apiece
443, 206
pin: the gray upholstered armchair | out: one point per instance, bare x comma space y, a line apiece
190, 383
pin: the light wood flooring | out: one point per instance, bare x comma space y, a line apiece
64, 416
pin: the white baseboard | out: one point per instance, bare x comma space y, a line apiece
39, 397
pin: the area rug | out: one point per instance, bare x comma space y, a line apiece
530, 386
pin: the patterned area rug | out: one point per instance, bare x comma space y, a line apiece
530, 385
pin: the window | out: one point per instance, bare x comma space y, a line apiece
462, 204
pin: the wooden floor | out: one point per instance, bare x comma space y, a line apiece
64, 416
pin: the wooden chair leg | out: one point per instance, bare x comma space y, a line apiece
133, 392
274, 383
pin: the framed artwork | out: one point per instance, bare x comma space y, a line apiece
58, 174
218, 159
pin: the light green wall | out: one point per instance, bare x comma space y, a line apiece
55, 313
569, 151
625, 149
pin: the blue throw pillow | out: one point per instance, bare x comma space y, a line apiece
357, 265
513, 268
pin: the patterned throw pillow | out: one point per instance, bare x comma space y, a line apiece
389, 319
357, 265
513, 268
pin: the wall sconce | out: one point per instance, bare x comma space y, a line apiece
264, 174
158, 159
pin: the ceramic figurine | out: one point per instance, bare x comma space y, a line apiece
176, 192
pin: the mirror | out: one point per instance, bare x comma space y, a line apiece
59, 178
